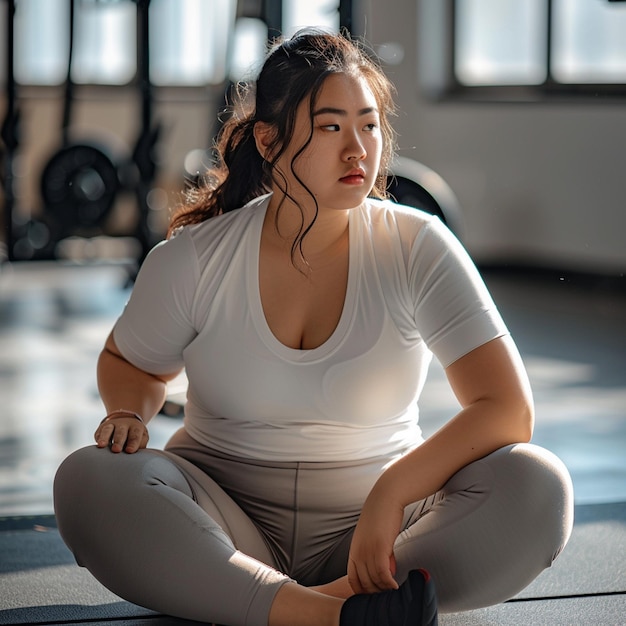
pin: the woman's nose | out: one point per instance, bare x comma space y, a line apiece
354, 150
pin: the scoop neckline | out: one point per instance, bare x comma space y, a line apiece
256, 306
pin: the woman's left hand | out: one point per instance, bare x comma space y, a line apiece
371, 564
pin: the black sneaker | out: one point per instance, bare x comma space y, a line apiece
413, 604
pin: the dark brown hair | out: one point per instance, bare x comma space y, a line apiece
294, 70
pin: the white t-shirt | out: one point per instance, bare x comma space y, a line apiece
412, 291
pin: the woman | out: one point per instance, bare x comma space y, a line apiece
299, 490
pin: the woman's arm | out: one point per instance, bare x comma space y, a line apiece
497, 409
492, 388
123, 386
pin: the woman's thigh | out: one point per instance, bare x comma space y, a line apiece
492, 529
157, 531
94, 482
305, 511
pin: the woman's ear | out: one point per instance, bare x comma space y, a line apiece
264, 135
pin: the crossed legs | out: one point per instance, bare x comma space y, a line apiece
158, 531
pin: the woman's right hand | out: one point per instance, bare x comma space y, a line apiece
122, 433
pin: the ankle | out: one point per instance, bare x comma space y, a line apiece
295, 605
339, 588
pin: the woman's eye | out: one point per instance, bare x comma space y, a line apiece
331, 127
371, 126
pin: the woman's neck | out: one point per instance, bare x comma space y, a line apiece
327, 236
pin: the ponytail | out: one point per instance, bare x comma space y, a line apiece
247, 178
238, 176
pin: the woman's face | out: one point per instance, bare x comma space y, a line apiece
340, 164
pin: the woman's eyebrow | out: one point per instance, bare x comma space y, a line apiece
343, 112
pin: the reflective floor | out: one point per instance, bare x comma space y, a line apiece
54, 319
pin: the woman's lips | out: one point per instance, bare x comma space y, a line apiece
353, 177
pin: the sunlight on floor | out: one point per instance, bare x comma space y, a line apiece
53, 321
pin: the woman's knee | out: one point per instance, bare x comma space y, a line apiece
86, 472
74, 477
93, 485
538, 490
534, 473
76, 497
512, 514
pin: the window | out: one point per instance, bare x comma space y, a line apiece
556, 44
500, 42
189, 41
589, 40
321, 13
105, 40
249, 48
41, 31
251, 33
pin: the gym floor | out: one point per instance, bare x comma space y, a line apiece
54, 319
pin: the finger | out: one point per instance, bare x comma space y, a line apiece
119, 438
382, 577
375, 577
393, 565
366, 580
103, 435
137, 438
353, 578
379, 572
361, 582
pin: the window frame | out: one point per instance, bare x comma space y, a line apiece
133, 81
549, 90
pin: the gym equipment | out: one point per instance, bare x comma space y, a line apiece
10, 135
79, 185
144, 153
81, 181
414, 184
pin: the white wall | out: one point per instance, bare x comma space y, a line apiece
540, 183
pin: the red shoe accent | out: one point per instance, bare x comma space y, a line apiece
425, 574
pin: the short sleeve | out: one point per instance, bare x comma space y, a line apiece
453, 308
156, 324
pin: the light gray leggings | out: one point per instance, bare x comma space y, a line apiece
207, 537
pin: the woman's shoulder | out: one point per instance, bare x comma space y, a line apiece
389, 217
417, 234
216, 227
217, 233
389, 211
193, 244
